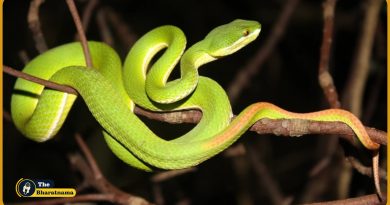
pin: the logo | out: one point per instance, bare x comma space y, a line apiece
25, 187
41, 188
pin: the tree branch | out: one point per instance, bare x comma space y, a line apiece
35, 25
105, 32
86, 16
46, 83
293, 127
371, 199
243, 78
325, 79
80, 30
353, 93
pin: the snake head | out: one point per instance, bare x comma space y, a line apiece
229, 38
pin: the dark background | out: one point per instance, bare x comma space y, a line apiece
288, 78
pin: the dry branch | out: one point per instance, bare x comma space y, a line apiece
294, 127
35, 25
101, 19
353, 93
325, 79
327, 146
124, 33
163, 176
371, 199
80, 30
243, 78
86, 16
41, 81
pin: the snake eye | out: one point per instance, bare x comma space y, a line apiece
245, 32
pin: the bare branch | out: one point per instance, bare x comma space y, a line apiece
243, 78
96, 179
24, 56
325, 79
371, 199
125, 35
35, 25
7, 116
328, 146
163, 176
101, 19
88, 154
294, 127
41, 81
353, 93
362, 169
266, 179
80, 30
86, 16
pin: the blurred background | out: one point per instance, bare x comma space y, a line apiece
258, 169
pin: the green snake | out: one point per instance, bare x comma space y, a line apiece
110, 90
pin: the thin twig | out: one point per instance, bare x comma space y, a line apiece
243, 78
95, 179
103, 27
371, 199
235, 151
24, 56
266, 180
380, 75
320, 166
242, 171
79, 163
325, 79
353, 93
87, 153
80, 30
86, 16
100, 183
185, 116
374, 95
7, 116
362, 169
35, 25
125, 35
41, 81
326, 147
163, 176
158, 195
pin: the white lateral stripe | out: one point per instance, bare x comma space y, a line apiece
150, 54
57, 118
172, 66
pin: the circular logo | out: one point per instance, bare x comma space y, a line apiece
25, 187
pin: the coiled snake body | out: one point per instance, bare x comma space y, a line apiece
109, 93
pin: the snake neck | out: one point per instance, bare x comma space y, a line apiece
191, 60
195, 57
178, 89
